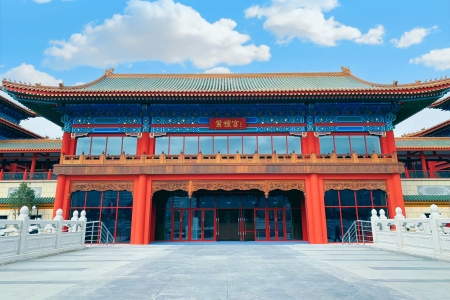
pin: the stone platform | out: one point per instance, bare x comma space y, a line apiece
227, 271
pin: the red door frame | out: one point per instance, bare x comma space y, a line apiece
202, 239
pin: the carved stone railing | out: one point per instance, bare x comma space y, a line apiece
237, 158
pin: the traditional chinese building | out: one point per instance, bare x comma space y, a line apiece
265, 157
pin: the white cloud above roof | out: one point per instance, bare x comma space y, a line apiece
412, 37
161, 30
218, 70
439, 59
305, 20
28, 74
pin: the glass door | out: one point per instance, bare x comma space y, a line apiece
260, 225
276, 225
180, 225
247, 225
203, 225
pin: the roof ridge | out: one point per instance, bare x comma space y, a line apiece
20, 128
423, 131
27, 111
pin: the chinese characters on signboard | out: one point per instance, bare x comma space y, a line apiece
227, 123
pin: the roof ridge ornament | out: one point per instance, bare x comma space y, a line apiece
346, 71
109, 72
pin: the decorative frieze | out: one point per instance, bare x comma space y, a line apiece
354, 185
101, 186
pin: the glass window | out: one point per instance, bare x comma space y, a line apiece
379, 198
98, 145
114, 145
358, 144
125, 199
249, 144
264, 145
206, 144
347, 198
191, 145
129, 145
334, 231
110, 198
235, 144
220, 144
93, 199
363, 198
342, 144
77, 199
331, 198
176, 145
83, 145
326, 144
162, 145
279, 144
373, 144
123, 231
294, 144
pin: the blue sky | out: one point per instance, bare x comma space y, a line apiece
75, 41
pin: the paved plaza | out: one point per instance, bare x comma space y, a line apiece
227, 271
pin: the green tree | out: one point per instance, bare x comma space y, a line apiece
22, 196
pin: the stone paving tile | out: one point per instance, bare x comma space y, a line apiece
228, 271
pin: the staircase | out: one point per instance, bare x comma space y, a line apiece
98, 233
360, 232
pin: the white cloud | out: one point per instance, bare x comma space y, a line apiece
423, 119
28, 74
42, 1
161, 30
413, 37
439, 59
305, 20
218, 70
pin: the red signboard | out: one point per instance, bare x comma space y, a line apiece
227, 123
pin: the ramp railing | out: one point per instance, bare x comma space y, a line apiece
98, 233
360, 232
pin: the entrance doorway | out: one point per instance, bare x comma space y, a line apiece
228, 216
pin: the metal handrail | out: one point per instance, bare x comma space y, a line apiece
98, 233
359, 232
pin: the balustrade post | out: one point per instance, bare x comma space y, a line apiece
435, 228
334, 157
162, 158
293, 157
200, 157
274, 157
354, 157
375, 157
218, 157
82, 158
181, 158
83, 231
74, 218
425, 225
24, 229
374, 224
237, 157
25, 174
399, 217
59, 218
313, 157
383, 217
102, 157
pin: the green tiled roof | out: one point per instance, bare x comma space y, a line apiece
29, 145
426, 198
40, 200
236, 83
422, 142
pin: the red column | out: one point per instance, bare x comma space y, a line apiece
390, 142
138, 218
33, 163
143, 143
148, 213
315, 211
66, 144
151, 149
309, 143
59, 196
304, 220
395, 195
423, 162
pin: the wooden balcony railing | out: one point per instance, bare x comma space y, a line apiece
237, 158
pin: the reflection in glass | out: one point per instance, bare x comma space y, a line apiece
109, 219
260, 222
162, 145
129, 145
191, 145
289, 224
373, 144
331, 198
93, 199
92, 214
167, 225
363, 198
125, 199
326, 144
110, 198
208, 225
272, 229
114, 146
342, 144
176, 145
348, 217
83, 145
77, 199
358, 144
98, 145
185, 222
220, 145
294, 144
347, 197
264, 145
364, 214
196, 225
176, 225
206, 144
279, 144
280, 224
379, 198
334, 231
235, 143
123, 231
249, 144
